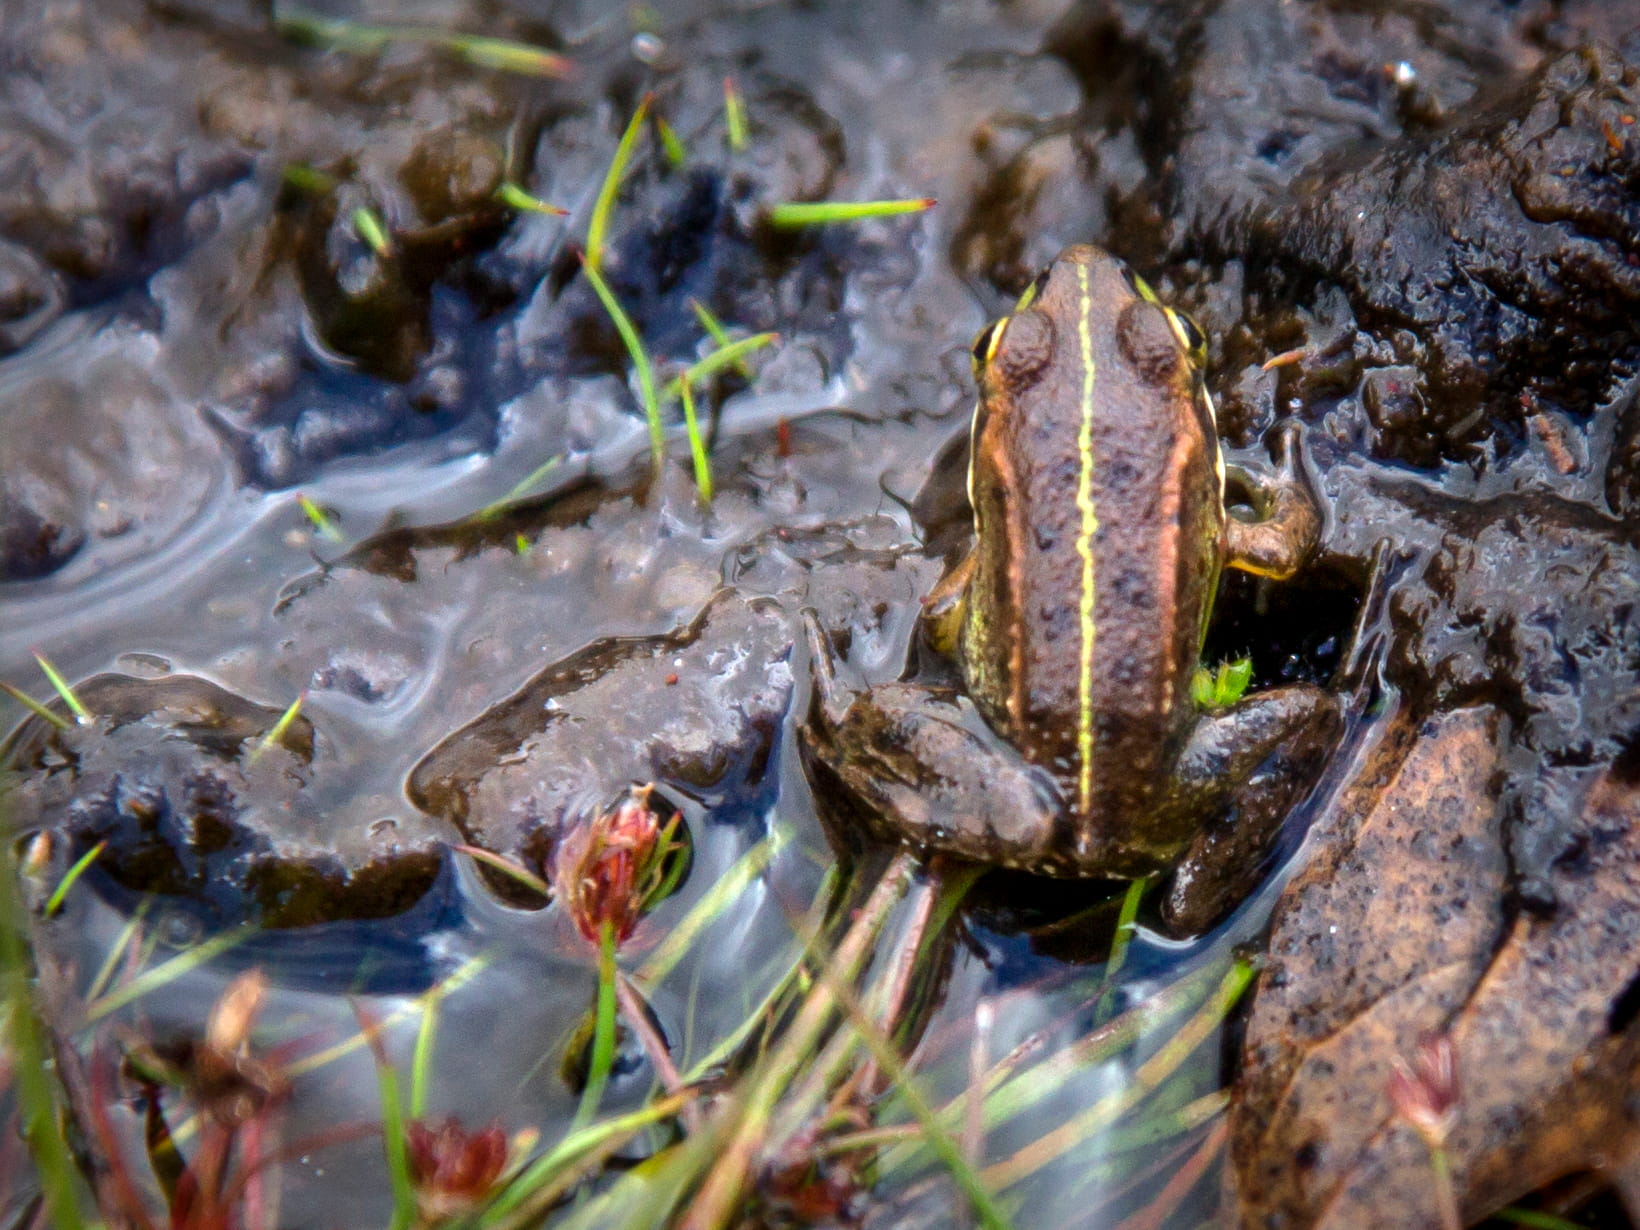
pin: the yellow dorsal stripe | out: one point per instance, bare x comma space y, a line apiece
1084, 547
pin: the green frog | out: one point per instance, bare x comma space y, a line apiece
1074, 747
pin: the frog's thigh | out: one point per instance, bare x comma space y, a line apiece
936, 775
1260, 757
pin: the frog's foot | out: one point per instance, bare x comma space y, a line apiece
1273, 744
920, 765
1289, 524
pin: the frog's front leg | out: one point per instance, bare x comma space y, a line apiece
1289, 524
1246, 767
921, 765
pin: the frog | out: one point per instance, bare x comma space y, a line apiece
1073, 745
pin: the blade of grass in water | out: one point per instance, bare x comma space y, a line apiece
370, 229
1009, 1092
507, 867
278, 732
60, 686
514, 197
1169, 1056
522, 489
604, 206
734, 116
939, 1141
321, 520
395, 1142
166, 973
640, 359
731, 354
714, 328
35, 707
306, 178
697, 446
723, 893
747, 1114
31, 1068
673, 147
1119, 941
476, 49
789, 214
81, 866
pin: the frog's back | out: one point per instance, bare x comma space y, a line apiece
1115, 502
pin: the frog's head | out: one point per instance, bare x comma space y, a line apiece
1088, 313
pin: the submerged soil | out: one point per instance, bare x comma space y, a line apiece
1427, 214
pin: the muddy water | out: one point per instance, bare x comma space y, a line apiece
196, 336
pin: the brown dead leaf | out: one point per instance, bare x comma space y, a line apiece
1399, 928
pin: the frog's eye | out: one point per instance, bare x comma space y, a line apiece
1190, 336
1135, 283
985, 345
1032, 291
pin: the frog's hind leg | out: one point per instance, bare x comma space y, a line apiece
1247, 766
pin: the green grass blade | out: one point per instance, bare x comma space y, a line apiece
81, 866
342, 35
524, 488
731, 354
714, 328
396, 1145
509, 56
676, 155
35, 707
697, 447
154, 978
717, 899
279, 728
323, 523
421, 1060
60, 686
506, 867
307, 178
604, 206
790, 214
1119, 941
640, 359
939, 1141
734, 116
31, 1067
370, 229
515, 197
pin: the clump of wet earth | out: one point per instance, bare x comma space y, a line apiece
1413, 228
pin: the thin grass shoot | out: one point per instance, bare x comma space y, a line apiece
604, 206
320, 518
671, 144
788, 215
62, 688
697, 446
640, 360
277, 733
523, 489
340, 34
734, 116
54, 903
731, 354
40, 711
367, 224
506, 867
514, 196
